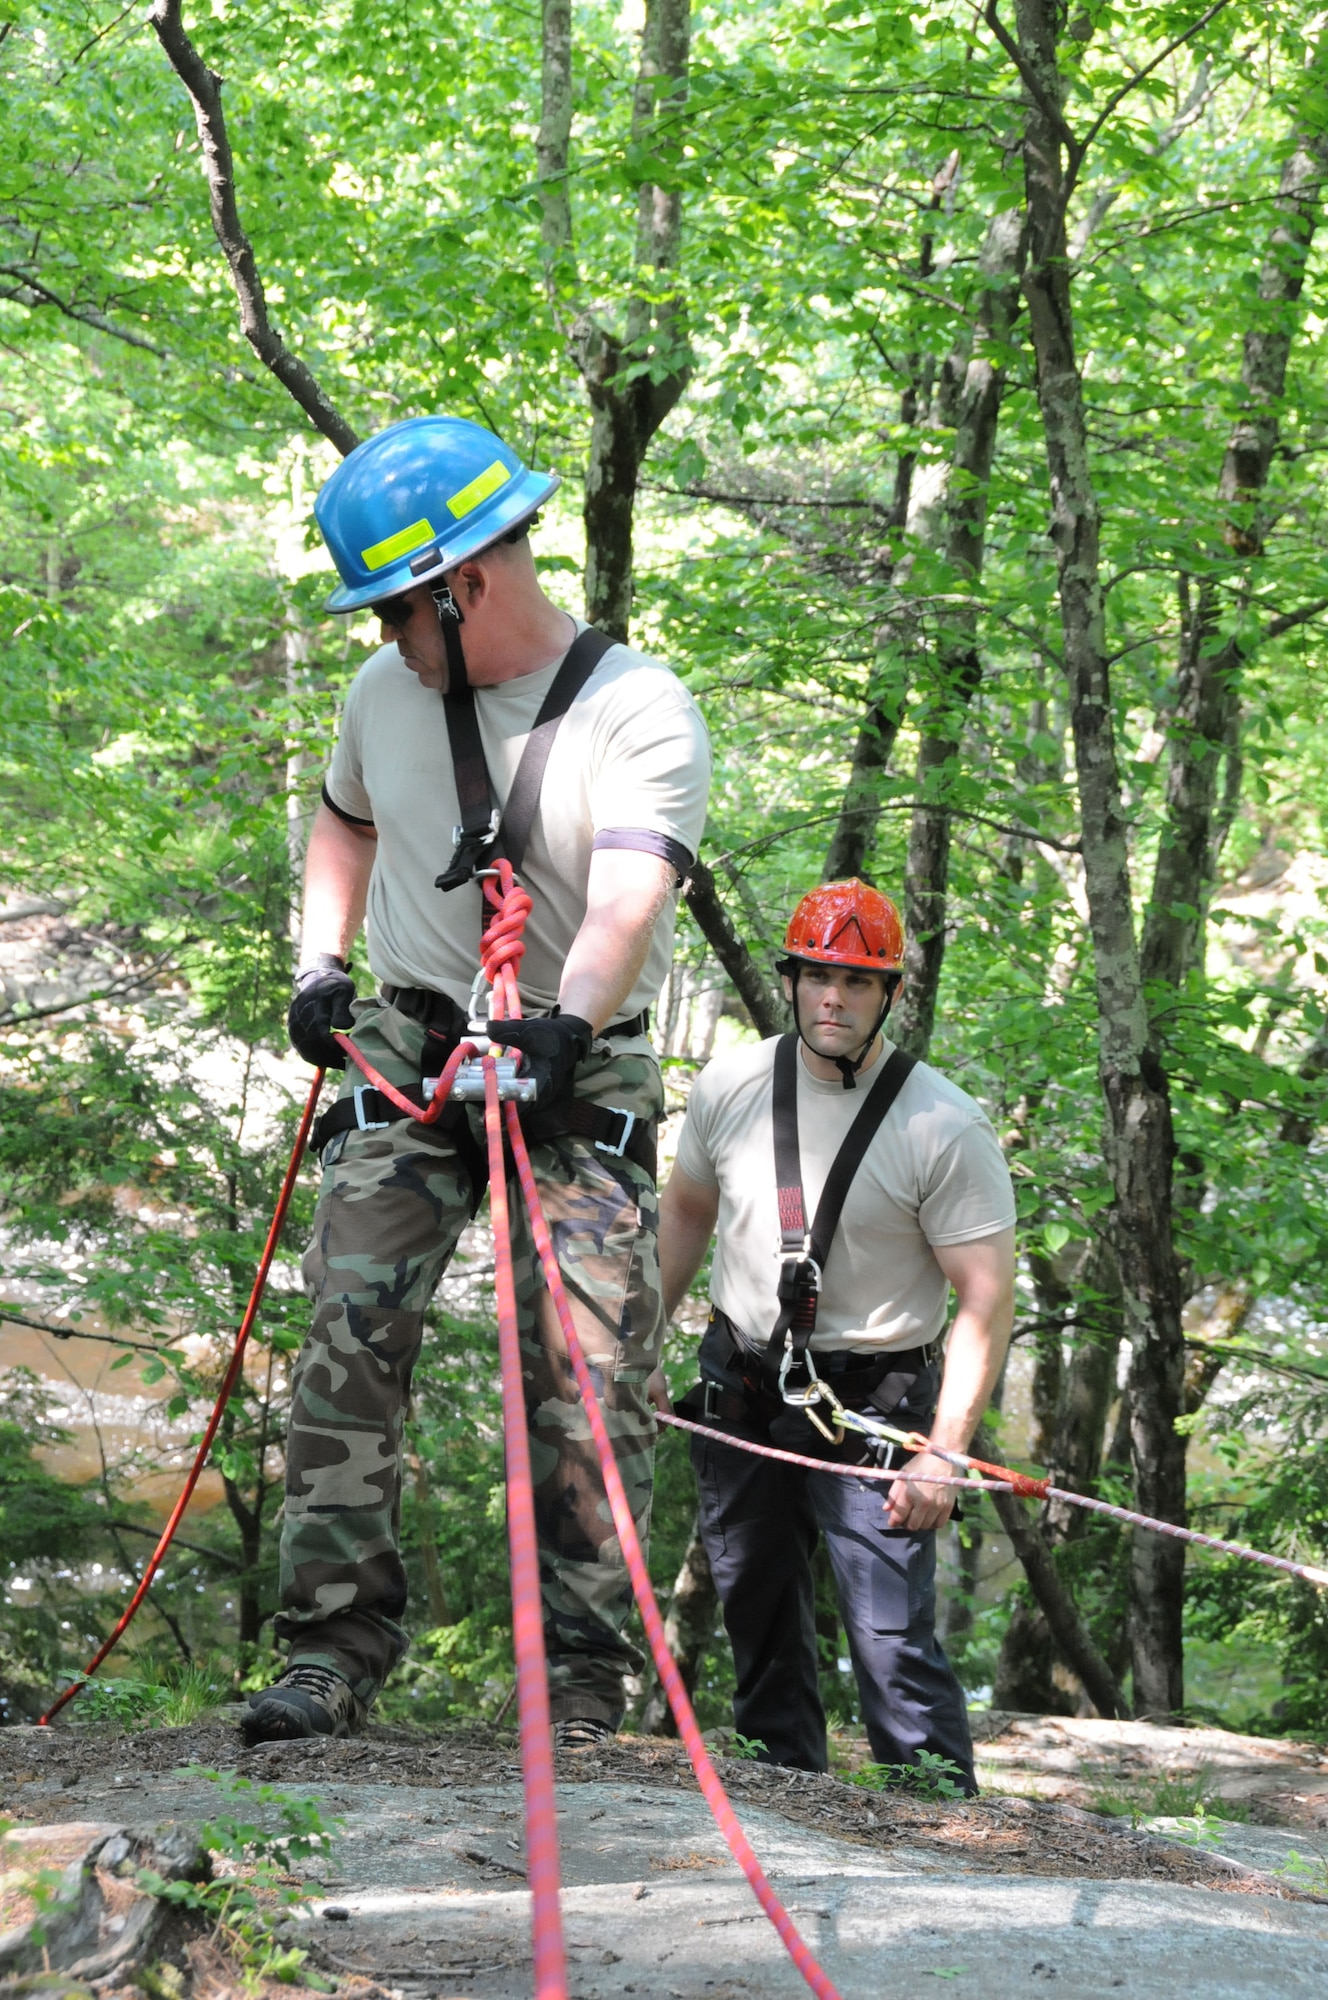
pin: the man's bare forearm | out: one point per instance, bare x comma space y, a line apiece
974, 1356
626, 894
687, 1213
337, 868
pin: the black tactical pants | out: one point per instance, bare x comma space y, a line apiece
761, 1521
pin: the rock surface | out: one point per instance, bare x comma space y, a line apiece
423, 1894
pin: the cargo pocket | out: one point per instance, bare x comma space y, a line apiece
641, 1322
902, 1578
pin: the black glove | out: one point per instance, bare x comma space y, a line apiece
552, 1045
323, 993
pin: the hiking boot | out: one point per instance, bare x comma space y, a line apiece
306, 1701
581, 1732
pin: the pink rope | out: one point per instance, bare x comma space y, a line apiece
706, 1775
1018, 1483
532, 1676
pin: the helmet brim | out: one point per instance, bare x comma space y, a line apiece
848, 963
524, 497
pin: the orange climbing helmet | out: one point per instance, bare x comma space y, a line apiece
847, 923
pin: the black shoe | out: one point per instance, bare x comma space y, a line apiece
581, 1733
306, 1701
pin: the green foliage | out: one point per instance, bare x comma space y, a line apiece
179, 1694
251, 1894
172, 685
931, 1777
1189, 1798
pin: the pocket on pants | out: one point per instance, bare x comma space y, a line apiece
901, 1583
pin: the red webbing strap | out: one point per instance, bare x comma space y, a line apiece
706, 1775
1019, 1482
532, 1678
231, 1377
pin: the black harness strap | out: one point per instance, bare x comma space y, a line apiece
583, 656
803, 1252
483, 830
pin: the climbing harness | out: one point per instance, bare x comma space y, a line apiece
804, 1251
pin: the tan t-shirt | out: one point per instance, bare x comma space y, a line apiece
933, 1174
631, 754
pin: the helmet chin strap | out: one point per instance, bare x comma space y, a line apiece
450, 621
848, 1066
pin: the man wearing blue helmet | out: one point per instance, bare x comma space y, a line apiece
488, 721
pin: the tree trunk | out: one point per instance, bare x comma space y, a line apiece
689, 1628
961, 520
860, 809
428, 1545
716, 927
1054, 1602
632, 378
1139, 1143
249, 1521
1205, 721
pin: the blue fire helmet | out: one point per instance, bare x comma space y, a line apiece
417, 499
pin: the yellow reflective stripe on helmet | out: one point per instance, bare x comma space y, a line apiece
403, 543
468, 499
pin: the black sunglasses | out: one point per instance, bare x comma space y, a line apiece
395, 611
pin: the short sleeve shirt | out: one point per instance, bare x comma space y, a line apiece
933, 1175
631, 756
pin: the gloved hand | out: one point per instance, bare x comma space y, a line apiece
323, 993
552, 1045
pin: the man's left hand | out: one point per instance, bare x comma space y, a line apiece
552, 1045
918, 1507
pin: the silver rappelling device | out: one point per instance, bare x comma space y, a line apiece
468, 1083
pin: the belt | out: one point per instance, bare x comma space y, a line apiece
420, 1003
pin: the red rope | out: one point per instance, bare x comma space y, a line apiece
706, 1775
231, 1377
532, 1678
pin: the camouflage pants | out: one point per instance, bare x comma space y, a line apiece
392, 1206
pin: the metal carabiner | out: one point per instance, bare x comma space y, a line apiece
816, 1391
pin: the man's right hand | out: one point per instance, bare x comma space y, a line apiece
323, 993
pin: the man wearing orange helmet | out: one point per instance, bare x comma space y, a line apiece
853, 1188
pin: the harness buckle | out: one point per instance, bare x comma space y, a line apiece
470, 845
630, 1120
367, 1124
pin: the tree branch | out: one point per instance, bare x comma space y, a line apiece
84, 315
204, 88
1289, 620
1055, 1602
1131, 83
716, 926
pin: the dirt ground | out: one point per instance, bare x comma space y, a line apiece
46, 1775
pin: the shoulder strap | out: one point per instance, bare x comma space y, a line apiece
803, 1252
788, 1153
583, 656
473, 835
482, 831
895, 1073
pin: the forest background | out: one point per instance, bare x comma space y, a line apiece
940, 391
